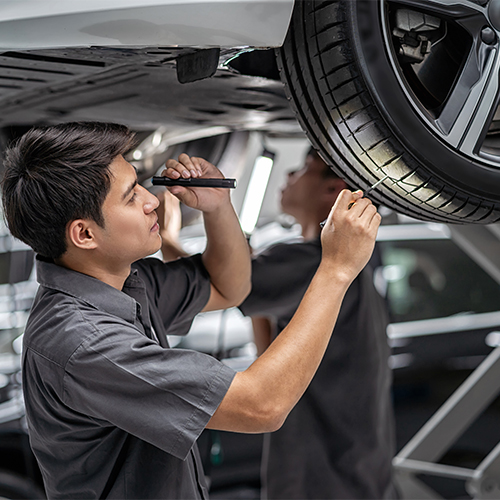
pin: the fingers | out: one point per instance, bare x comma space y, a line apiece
364, 210
355, 196
373, 219
352, 201
357, 208
185, 167
346, 199
190, 166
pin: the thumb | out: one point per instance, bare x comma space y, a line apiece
346, 199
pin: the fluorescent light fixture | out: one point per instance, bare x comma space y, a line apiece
137, 154
156, 139
256, 190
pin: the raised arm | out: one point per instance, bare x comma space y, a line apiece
227, 256
260, 398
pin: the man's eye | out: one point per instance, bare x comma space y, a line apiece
132, 198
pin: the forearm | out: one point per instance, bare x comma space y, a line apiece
260, 398
274, 383
227, 255
290, 362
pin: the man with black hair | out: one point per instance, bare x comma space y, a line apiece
338, 441
112, 410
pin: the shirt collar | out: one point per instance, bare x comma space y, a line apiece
91, 290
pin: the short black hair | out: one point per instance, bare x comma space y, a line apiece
56, 174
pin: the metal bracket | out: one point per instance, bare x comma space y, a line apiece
198, 65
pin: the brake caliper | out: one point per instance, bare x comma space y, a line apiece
415, 32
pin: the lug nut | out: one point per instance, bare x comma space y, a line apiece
488, 36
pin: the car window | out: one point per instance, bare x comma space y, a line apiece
434, 278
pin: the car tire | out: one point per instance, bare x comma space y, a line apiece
14, 486
340, 69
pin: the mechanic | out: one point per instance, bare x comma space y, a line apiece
112, 411
338, 441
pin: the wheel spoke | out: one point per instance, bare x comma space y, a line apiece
469, 107
448, 8
468, 110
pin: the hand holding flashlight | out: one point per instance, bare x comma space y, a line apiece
183, 178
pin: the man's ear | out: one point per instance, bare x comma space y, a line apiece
81, 235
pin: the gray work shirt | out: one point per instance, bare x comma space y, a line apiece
338, 441
112, 411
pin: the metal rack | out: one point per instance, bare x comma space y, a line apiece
463, 407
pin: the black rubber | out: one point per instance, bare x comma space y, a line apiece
346, 97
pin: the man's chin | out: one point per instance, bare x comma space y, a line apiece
152, 251
157, 247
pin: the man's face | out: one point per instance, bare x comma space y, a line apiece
131, 229
303, 187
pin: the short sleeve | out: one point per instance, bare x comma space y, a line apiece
178, 290
163, 396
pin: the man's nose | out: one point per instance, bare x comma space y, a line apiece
151, 203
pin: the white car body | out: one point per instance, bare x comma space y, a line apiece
32, 24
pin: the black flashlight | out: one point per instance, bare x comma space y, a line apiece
194, 182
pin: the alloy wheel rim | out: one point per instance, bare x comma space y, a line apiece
455, 87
